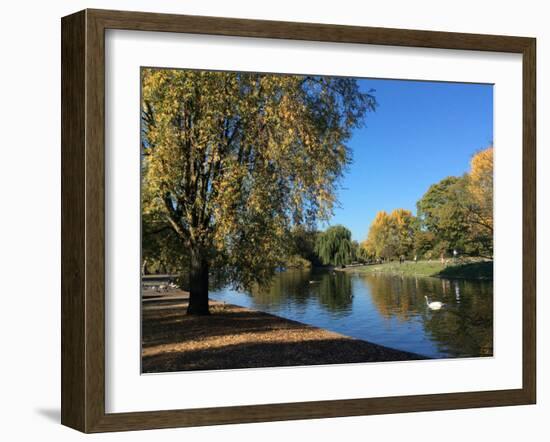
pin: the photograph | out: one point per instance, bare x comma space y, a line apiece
244, 221
302, 220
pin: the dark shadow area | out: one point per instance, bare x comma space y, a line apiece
474, 270
167, 326
275, 354
234, 337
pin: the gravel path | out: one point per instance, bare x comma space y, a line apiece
236, 337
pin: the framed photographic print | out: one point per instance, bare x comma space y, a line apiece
267, 221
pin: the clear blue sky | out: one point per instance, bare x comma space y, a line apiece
420, 133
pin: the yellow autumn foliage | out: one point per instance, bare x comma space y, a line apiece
231, 161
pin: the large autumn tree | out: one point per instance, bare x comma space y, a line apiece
391, 235
231, 161
480, 188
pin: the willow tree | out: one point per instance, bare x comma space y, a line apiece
334, 246
231, 161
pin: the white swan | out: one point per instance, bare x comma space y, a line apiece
435, 305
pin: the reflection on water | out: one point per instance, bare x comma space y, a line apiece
384, 309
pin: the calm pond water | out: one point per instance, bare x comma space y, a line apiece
383, 309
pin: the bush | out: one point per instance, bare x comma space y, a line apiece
298, 262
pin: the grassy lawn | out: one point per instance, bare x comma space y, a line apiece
472, 269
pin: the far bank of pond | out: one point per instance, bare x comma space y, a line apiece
385, 308
450, 269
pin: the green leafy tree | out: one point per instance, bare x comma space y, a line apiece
424, 242
231, 161
450, 210
302, 247
334, 246
441, 212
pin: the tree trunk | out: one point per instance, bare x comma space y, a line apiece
198, 286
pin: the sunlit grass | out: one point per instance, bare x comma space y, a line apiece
463, 269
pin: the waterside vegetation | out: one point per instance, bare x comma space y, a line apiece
448, 269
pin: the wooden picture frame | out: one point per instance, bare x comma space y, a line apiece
83, 220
